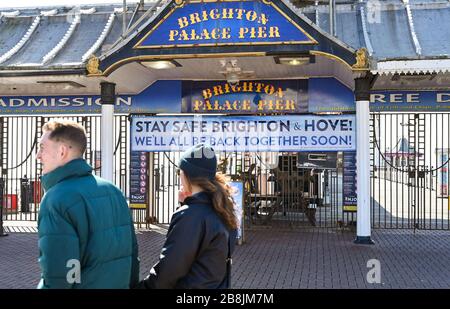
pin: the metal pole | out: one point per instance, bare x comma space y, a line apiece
363, 228
124, 18
332, 16
108, 98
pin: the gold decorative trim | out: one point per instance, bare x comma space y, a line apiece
179, 2
92, 66
227, 44
330, 56
362, 60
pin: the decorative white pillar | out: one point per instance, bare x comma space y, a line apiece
108, 99
362, 95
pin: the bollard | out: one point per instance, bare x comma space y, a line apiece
2, 187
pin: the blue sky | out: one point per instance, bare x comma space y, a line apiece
42, 3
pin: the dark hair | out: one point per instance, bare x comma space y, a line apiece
222, 197
67, 131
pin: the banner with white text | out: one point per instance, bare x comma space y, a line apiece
244, 133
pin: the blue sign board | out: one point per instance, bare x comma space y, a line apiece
248, 97
349, 181
138, 179
225, 23
329, 95
313, 95
410, 101
244, 133
160, 97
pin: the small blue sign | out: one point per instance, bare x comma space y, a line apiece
138, 179
349, 181
222, 23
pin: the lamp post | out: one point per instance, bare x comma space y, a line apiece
108, 99
362, 94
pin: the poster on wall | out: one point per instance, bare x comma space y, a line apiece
349, 181
138, 179
244, 133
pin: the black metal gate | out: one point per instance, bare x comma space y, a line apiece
20, 171
278, 192
409, 170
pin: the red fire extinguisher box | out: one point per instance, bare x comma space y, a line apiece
9, 203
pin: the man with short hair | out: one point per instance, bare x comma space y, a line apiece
86, 234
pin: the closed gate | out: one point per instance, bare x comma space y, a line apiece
409, 170
20, 171
278, 192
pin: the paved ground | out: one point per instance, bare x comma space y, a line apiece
269, 259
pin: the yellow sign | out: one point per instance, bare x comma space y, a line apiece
138, 206
350, 208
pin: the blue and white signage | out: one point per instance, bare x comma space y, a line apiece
160, 97
238, 198
408, 101
215, 23
349, 181
244, 133
138, 179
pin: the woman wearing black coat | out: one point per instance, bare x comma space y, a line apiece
202, 232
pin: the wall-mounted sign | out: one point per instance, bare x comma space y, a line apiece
317, 160
138, 179
247, 97
410, 101
329, 95
313, 95
244, 133
160, 97
225, 23
349, 181
239, 208
443, 175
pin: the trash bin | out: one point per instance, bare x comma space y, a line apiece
25, 194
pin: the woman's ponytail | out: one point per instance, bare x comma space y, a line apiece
222, 197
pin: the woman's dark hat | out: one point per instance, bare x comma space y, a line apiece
199, 161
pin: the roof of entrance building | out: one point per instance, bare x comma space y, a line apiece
392, 29
64, 37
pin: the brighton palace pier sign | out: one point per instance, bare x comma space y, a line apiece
224, 23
